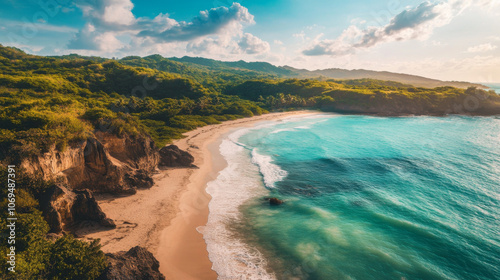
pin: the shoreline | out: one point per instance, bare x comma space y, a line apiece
164, 219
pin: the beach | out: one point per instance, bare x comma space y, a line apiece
165, 218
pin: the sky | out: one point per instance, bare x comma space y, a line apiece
455, 40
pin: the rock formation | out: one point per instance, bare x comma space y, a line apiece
63, 208
105, 163
275, 201
172, 156
137, 263
86, 208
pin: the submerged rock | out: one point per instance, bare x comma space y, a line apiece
172, 156
275, 201
137, 263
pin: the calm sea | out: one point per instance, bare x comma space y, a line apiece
365, 198
495, 87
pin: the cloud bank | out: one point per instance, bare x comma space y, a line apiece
481, 48
111, 26
413, 23
214, 21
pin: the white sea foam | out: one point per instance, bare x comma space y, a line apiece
309, 117
282, 130
304, 126
238, 182
295, 128
270, 171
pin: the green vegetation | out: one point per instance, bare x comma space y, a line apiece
49, 101
367, 96
55, 102
36, 256
58, 101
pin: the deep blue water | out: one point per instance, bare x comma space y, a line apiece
365, 198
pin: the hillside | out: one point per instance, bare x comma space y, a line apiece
77, 125
333, 73
414, 80
237, 65
229, 71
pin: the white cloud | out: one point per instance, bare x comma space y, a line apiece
85, 39
251, 44
119, 13
215, 30
110, 13
481, 48
38, 25
301, 35
219, 45
413, 23
341, 46
214, 21
108, 42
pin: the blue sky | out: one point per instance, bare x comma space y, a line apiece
447, 39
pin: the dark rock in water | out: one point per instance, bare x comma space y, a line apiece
172, 156
275, 201
137, 263
63, 208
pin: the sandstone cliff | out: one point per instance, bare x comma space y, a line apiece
63, 209
104, 163
137, 263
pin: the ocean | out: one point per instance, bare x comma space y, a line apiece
495, 87
364, 198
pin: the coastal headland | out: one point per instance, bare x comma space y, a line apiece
164, 219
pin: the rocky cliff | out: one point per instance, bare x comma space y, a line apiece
137, 263
103, 163
63, 209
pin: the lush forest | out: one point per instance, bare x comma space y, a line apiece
56, 101
39, 257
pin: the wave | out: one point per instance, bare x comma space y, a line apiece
282, 130
270, 172
237, 183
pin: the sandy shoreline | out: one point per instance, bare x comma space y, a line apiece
164, 218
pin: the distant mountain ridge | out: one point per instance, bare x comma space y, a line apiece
331, 73
198, 65
253, 66
418, 81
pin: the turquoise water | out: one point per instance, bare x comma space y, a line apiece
365, 198
495, 87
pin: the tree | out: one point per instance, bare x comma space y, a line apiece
71, 258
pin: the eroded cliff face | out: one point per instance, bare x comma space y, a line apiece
137, 263
64, 209
104, 163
